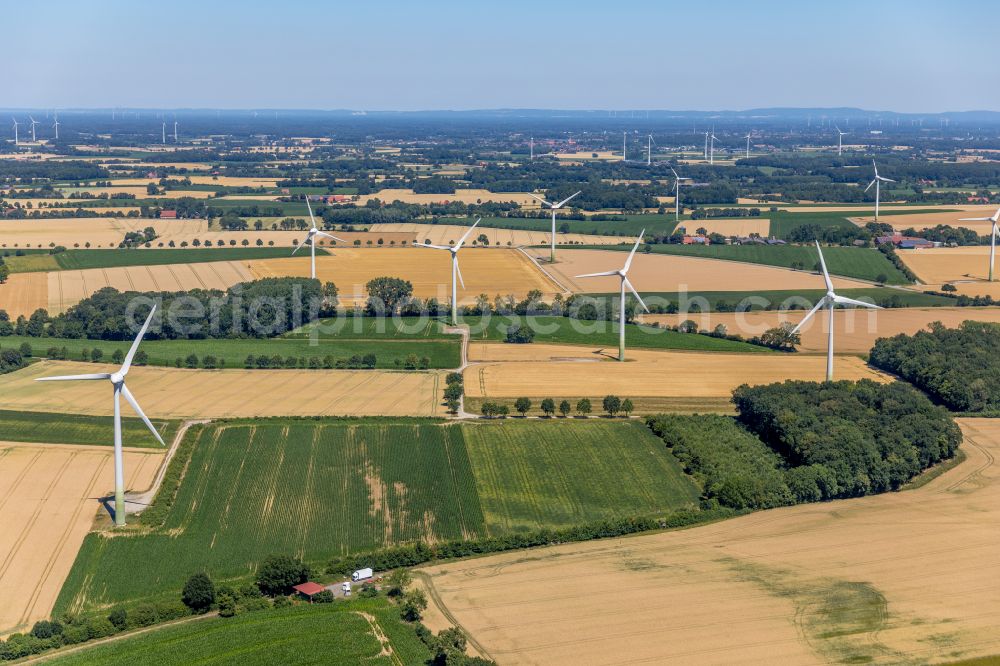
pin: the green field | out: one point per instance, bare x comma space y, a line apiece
563, 330
804, 297
80, 259
783, 222
366, 328
855, 262
323, 488
443, 353
652, 223
46, 428
308, 634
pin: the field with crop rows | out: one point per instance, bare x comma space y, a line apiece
532, 474
563, 330
442, 353
321, 489
46, 428
301, 634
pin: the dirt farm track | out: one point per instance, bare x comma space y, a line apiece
910, 577
47, 495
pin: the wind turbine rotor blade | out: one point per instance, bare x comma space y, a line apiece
675, 173
886, 180
72, 378
142, 415
870, 184
843, 300
539, 198
466, 234
975, 219
820, 303
127, 363
636, 294
299, 245
563, 202
822, 263
638, 242
323, 233
431, 247
309, 206
590, 275
458, 270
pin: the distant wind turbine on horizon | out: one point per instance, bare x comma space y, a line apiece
622, 273
55, 125
16, 142
711, 150
840, 142
120, 389
830, 300
748, 143
456, 272
33, 123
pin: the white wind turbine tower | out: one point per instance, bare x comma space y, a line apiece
994, 234
33, 123
748, 143
554, 207
624, 156
15, 130
623, 274
877, 182
532, 144
677, 195
56, 126
311, 239
706, 145
711, 150
831, 300
456, 272
118, 382
163, 133
840, 142
649, 150
175, 131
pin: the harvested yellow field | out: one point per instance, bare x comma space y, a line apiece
67, 288
737, 226
647, 373
944, 264
588, 155
177, 393
658, 272
855, 331
465, 196
23, 293
445, 234
48, 496
906, 577
920, 221
486, 271
190, 166
98, 231
228, 181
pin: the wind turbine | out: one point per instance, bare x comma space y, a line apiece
748, 144
711, 150
311, 239
994, 233
677, 195
33, 123
15, 129
831, 300
624, 156
623, 274
877, 182
649, 150
455, 270
56, 126
706, 145
163, 133
175, 131
554, 207
532, 144
118, 382
840, 142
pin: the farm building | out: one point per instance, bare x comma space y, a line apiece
309, 589
168, 214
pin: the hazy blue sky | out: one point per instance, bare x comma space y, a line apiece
911, 55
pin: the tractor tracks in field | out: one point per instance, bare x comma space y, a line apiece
140, 500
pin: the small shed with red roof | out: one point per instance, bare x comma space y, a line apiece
308, 589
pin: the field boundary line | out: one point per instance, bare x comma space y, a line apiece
145, 497
544, 272
435, 598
